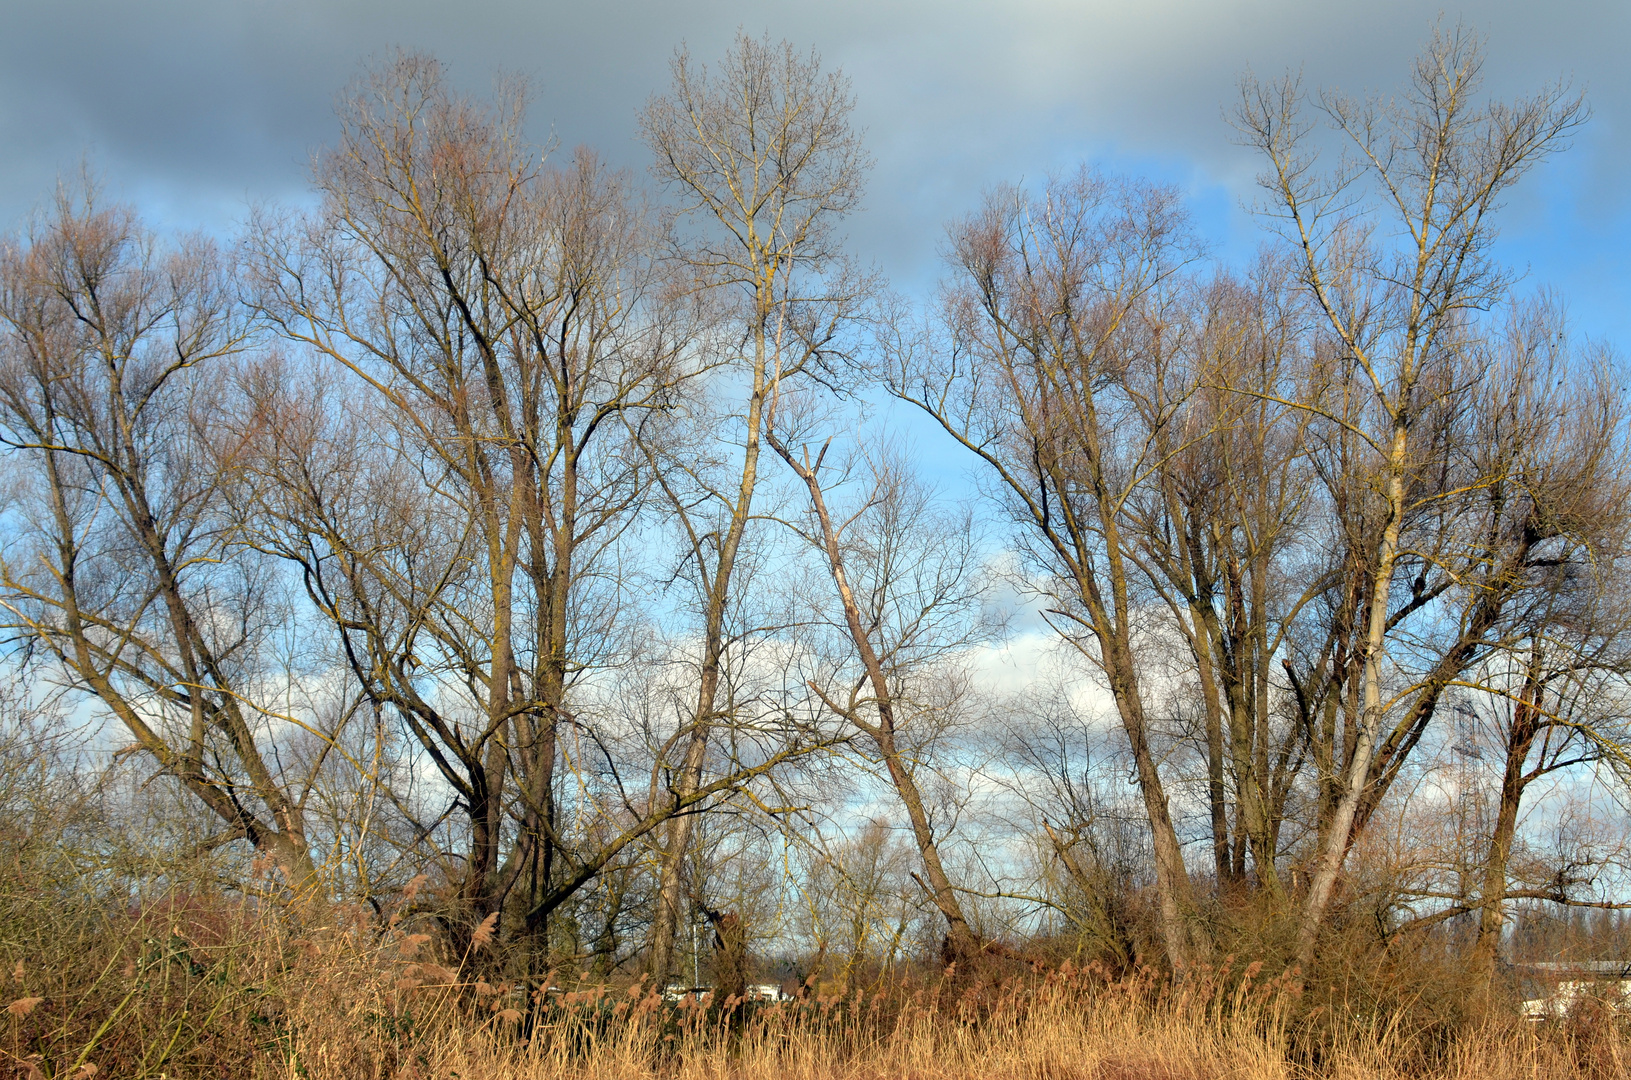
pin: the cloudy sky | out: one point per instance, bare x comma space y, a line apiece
194, 108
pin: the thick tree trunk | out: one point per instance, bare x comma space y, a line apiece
671, 883
1334, 844
1216, 790
730, 959
1173, 887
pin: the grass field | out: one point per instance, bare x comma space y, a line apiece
213, 990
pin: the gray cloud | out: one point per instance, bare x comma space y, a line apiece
194, 107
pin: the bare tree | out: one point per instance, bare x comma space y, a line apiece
1434, 165
1543, 622
1219, 529
1560, 716
1556, 679
862, 903
1030, 370
125, 575
1058, 764
502, 321
764, 163
907, 582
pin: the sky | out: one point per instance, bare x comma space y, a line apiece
194, 109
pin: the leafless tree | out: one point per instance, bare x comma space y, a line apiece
122, 572
1059, 763
456, 502
1401, 306
1552, 678
861, 901
908, 586
1219, 530
1030, 368
764, 164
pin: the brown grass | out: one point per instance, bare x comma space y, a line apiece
178, 987
189, 982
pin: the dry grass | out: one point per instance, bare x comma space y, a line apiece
185, 981
180, 988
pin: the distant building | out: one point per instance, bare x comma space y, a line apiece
1553, 989
756, 992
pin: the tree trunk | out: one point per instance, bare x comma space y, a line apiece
1334, 847
718, 582
730, 960
960, 940
1492, 899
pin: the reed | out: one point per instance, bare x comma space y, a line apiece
183, 985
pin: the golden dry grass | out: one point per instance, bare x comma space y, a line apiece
242, 999
191, 984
